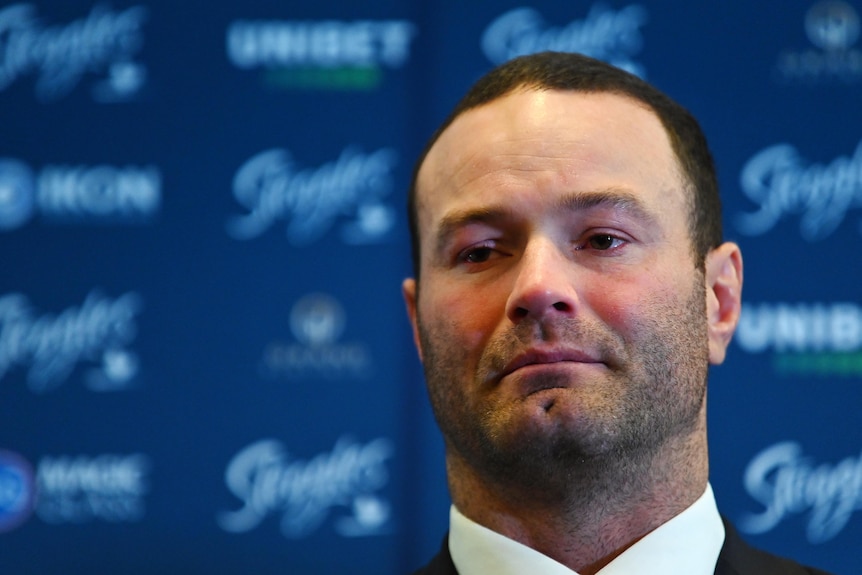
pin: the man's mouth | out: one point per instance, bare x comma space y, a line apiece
548, 357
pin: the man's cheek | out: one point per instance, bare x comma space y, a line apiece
472, 319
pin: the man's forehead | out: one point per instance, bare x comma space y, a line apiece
529, 130
523, 110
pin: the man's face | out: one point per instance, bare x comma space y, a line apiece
560, 314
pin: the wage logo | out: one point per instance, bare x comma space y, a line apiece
786, 482
17, 194
73, 488
271, 187
326, 54
610, 35
78, 488
317, 322
345, 482
833, 28
51, 346
82, 194
780, 183
17, 490
104, 43
805, 339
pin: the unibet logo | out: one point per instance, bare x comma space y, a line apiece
328, 54
805, 339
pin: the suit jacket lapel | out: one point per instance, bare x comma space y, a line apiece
739, 558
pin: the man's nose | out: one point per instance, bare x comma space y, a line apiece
544, 285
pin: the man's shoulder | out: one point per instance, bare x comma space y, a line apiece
739, 558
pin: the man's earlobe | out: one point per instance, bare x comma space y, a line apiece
723, 297
408, 289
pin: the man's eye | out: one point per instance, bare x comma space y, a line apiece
603, 242
476, 255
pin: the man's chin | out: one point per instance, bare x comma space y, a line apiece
546, 428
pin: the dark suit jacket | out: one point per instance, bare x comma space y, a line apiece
736, 558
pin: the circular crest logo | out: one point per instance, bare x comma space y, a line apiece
832, 25
317, 319
17, 193
16, 490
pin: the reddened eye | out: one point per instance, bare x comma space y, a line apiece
476, 255
603, 242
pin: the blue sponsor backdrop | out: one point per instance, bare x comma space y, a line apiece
204, 361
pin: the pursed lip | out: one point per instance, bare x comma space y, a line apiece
546, 357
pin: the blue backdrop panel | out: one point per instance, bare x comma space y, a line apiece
204, 360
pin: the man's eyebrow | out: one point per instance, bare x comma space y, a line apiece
620, 199
456, 220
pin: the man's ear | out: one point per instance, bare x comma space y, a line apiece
409, 289
723, 297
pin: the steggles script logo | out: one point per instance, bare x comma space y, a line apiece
52, 346
268, 480
271, 187
105, 41
613, 36
779, 182
786, 482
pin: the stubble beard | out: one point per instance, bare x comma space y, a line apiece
653, 393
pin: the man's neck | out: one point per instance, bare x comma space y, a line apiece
604, 508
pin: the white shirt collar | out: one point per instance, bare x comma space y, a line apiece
688, 544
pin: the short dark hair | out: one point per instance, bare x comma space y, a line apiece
579, 73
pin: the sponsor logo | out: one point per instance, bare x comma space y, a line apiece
781, 183
312, 200
804, 338
101, 193
344, 483
786, 482
75, 489
97, 334
103, 44
327, 54
610, 35
17, 490
317, 321
833, 28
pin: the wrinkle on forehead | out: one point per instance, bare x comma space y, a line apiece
531, 120
526, 133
